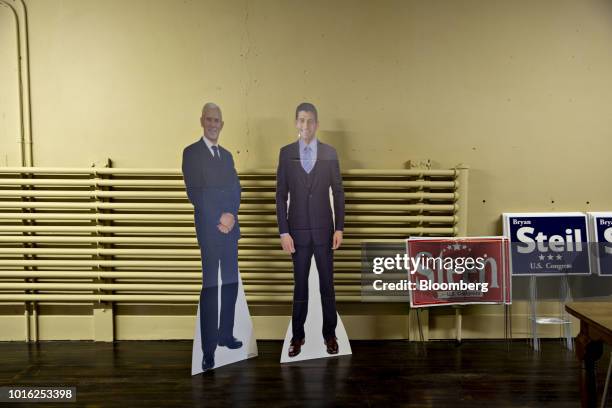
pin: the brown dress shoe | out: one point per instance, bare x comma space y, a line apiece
332, 345
295, 347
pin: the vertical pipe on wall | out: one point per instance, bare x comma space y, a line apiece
26, 319
26, 116
20, 15
34, 321
462, 201
21, 139
25, 87
103, 312
461, 228
25, 119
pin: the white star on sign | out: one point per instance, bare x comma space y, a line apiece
541, 257
559, 257
457, 247
550, 257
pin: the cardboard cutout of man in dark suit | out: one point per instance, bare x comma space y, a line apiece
306, 171
213, 188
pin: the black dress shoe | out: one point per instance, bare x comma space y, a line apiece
332, 345
231, 343
295, 347
208, 362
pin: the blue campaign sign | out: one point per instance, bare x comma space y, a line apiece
602, 227
548, 243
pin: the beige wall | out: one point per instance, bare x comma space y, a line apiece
520, 91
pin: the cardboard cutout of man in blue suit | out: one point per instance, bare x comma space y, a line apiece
307, 170
213, 188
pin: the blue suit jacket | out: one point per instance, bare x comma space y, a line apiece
309, 216
213, 188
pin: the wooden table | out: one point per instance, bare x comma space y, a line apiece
595, 328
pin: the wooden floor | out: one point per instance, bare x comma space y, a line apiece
379, 373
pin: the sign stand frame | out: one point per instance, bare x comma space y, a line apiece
508, 324
563, 319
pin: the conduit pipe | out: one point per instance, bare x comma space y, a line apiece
244, 206
23, 75
25, 111
244, 253
392, 229
140, 287
84, 239
245, 194
249, 172
73, 297
245, 218
266, 264
264, 275
395, 184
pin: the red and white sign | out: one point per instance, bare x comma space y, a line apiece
442, 273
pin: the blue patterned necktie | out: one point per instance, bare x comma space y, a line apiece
216, 152
307, 162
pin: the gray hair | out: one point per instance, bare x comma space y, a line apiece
211, 106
